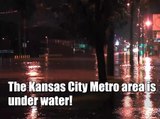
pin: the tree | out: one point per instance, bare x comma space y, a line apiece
94, 20
103, 16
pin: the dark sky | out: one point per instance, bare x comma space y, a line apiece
45, 15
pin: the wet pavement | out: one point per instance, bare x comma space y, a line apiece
139, 105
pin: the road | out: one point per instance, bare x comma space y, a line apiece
57, 69
130, 105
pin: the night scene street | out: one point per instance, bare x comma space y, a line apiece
66, 47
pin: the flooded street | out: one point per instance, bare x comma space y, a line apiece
80, 59
130, 105
140, 105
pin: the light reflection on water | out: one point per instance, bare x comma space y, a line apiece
139, 106
127, 111
148, 106
34, 73
147, 68
33, 69
32, 111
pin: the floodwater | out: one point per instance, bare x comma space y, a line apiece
129, 105
140, 105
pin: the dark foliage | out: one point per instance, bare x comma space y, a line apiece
25, 7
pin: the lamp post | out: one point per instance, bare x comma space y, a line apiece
147, 24
131, 5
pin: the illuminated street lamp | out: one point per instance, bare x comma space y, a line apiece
117, 43
128, 4
148, 23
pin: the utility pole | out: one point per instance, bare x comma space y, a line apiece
131, 37
139, 33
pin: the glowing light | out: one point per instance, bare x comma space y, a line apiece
117, 43
148, 106
8, 12
32, 73
128, 45
148, 23
127, 110
127, 101
147, 69
125, 49
135, 50
33, 114
33, 67
147, 62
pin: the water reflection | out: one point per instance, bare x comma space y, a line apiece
33, 113
95, 66
127, 112
148, 106
34, 73
139, 105
147, 68
132, 106
33, 69
126, 73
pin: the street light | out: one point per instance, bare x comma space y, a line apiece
117, 43
148, 23
128, 4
